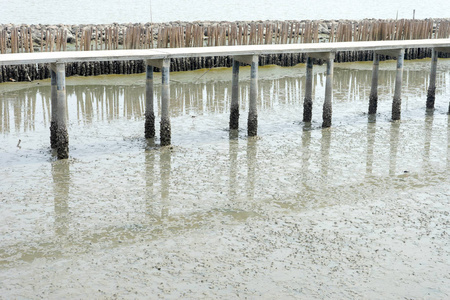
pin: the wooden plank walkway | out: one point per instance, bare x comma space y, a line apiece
105, 55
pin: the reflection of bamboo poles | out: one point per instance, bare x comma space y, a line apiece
5, 117
115, 102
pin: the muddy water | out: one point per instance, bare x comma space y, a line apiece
358, 210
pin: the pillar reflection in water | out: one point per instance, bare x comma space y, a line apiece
150, 201
233, 155
61, 188
133, 102
304, 180
371, 133
4, 115
393, 141
252, 149
157, 207
428, 133
165, 165
306, 151
325, 152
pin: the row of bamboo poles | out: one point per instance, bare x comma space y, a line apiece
92, 38
394, 30
20, 39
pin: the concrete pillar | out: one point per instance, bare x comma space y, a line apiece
252, 124
327, 106
165, 130
252, 60
59, 138
432, 87
373, 98
149, 110
234, 107
397, 101
54, 105
307, 102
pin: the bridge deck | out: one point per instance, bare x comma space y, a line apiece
161, 53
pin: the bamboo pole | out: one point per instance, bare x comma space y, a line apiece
2, 42
29, 40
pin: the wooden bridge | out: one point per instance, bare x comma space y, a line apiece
248, 54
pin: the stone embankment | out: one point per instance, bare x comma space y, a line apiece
39, 38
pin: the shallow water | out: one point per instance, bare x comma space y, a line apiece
357, 210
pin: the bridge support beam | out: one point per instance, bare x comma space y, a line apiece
149, 105
252, 122
308, 102
327, 104
165, 128
234, 107
397, 101
431, 95
373, 98
59, 137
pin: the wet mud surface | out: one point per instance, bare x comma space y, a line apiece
358, 210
